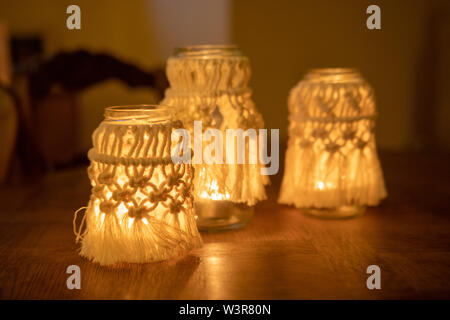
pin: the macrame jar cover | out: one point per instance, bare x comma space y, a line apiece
210, 83
141, 207
331, 159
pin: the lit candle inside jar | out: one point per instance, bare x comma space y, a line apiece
215, 211
141, 207
213, 192
332, 168
209, 85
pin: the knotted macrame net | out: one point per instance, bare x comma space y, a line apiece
141, 206
214, 88
331, 159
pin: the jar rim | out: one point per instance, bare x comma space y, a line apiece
336, 75
207, 51
150, 112
326, 71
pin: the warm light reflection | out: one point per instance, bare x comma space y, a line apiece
212, 192
325, 185
121, 210
121, 181
130, 222
214, 260
214, 269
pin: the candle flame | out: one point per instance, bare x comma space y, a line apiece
213, 192
320, 185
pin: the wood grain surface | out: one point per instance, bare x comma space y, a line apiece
281, 254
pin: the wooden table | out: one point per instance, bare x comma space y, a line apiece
281, 254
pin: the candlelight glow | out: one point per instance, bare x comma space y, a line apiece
134, 180
212, 192
210, 84
121, 210
130, 222
331, 160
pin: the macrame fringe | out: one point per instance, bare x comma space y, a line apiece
113, 241
233, 181
303, 172
78, 231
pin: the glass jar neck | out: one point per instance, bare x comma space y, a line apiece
335, 75
209, 70
207, 52
138, 114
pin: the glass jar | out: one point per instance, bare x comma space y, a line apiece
141, 205
332, 168
209, 84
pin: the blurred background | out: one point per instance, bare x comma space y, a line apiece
55, 82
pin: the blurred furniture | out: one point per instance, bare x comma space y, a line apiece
46, 96
15, 135
8, 131
5, 60
280, 254
53, 90
8, 116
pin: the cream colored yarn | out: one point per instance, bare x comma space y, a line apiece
141, 207
331, 158
214, 88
